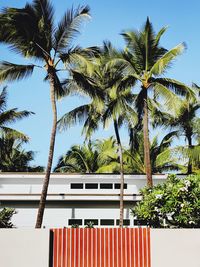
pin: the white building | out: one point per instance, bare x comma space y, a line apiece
72, 198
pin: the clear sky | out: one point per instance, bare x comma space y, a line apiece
109, 18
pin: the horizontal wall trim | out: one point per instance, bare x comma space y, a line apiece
63, 194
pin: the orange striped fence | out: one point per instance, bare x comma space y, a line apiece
101, 247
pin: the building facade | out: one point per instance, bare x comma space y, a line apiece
72, 198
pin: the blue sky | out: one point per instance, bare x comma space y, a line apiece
109, 18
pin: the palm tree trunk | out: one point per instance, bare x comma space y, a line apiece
51, 151
121, 220
189, 167
147, 160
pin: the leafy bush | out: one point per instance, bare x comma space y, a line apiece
174, 204
5, 217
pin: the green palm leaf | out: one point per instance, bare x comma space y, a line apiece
12, 115
164, 62
77, 115
69, 27
3, 98
169, 97
14, 134
177, 87
11, 72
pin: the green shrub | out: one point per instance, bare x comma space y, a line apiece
5, 217
174, 203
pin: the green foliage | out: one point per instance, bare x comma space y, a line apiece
90, 225
186, 122
9, 116
162, 158
75, 226
97, 156
174, 203
5, 217
13, 158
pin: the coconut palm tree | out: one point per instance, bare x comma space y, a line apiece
184, 121
145, 61
13, 158
161, 154
32, 33
99, 156
10, 116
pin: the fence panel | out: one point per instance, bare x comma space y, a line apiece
101, 247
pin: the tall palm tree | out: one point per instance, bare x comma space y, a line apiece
32, 33
145, 61
10, 116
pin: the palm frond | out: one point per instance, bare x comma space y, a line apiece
169, 97
71, 118
77, 56
44, 12
3, 98
185, 153
168, 138
87, 85
13, 115
91, 124
177, 87
12, 72
22, 31
10, 133
69, 26
112, 167
159, 35
164, 62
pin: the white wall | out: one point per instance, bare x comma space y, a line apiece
175, 247
24, 248
57, 216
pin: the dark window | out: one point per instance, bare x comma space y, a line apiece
125, 222
76, 186
106, 186
107, 222
94, 221
75, 221
117, 186
91, 186
139, 222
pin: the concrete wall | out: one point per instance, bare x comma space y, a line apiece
175, 247
24, 248
169, 248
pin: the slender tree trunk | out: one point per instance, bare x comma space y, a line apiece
147, 160
189, 167
51, 151
121, 220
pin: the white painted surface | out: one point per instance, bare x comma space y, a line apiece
59, 217
175, 247
24, 248
29, 186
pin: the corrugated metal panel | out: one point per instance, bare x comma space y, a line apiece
101, 247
